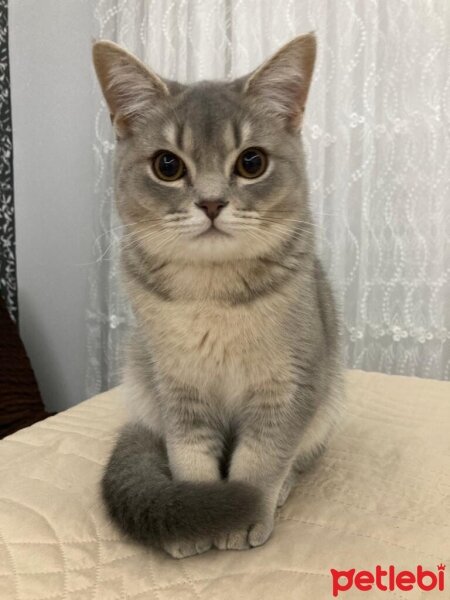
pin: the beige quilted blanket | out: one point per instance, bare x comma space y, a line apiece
380, 495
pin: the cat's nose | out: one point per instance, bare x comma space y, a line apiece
211, 208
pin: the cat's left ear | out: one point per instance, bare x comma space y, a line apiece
283, 81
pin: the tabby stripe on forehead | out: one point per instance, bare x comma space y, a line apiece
245, 131
170, 133
179, 136
187, 141
237, 134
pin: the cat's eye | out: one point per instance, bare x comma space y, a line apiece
251, 163
168, 166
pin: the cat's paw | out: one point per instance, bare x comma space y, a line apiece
242, 539
185, 549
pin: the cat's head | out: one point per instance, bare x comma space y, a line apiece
213, 170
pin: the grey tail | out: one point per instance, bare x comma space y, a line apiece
152, 508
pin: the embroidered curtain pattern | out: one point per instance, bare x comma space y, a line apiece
377, 138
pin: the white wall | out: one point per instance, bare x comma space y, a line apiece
53, 120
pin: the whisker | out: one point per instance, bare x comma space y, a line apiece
279, 233
278, 225
275, 234
280, 221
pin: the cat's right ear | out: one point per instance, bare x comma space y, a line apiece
129, 87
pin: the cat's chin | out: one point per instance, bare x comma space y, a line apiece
219, 247
215, 245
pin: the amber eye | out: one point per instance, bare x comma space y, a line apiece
251, 163
168, 166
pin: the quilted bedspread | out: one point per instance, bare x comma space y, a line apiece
379, 496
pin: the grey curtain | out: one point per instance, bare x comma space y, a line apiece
8, 282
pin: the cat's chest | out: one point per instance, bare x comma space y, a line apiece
219, 350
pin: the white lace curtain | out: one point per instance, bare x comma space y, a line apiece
377, 137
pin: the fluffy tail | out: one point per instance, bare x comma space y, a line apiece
152, 508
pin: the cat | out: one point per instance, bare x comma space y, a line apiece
233, 377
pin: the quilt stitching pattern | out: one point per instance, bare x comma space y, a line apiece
56, 542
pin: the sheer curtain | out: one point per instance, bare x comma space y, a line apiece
378, 145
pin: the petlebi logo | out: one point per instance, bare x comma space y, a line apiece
388, 580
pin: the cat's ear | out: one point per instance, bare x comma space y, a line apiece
283, 81
129, 87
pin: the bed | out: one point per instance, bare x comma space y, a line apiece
379, 495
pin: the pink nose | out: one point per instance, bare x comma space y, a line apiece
211, 208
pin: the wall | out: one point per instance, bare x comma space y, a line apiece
53, 116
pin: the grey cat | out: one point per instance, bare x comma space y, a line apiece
233, 377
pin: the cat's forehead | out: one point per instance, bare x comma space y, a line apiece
210, 115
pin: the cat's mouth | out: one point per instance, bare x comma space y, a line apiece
213, 231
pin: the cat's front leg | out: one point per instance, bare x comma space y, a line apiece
263, 457
193, 451
193, 444
192, 457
